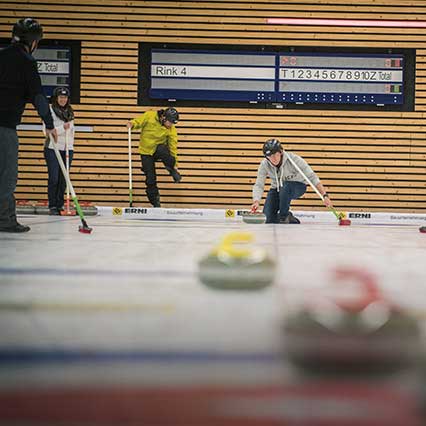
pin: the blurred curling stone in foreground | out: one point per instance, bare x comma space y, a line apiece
234, 264
253, 217
345, 332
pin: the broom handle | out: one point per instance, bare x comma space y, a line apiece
68, 180
130, 167
67, 157
338, 216
305, 177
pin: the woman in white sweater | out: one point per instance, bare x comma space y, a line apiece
63, 119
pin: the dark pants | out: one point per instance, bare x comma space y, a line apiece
9, 146
277, 204
148, 168
56, 183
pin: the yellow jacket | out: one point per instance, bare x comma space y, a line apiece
153, 133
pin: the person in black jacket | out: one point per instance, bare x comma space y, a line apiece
19, 83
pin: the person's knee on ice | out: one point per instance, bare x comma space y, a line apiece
271, 207
290, 191
288, 182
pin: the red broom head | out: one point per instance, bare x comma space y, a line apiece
85, 229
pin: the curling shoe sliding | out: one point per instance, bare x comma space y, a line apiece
17, 228
54, 211
289, 218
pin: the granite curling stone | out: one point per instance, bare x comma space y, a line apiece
234, 265
253, 217
315, 346
330, 339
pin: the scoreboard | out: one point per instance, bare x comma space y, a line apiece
58, 63
344, 79
54, 67
277, 77
199, 75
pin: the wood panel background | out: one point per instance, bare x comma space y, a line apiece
367, 160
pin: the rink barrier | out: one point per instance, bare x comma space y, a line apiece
235, 215
24, 207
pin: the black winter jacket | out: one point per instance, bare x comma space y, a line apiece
20, 83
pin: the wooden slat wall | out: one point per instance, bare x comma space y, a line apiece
368, 160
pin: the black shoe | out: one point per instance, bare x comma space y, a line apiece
175, 175
293, 219
53, 211
289, 218
17, 228
156, 202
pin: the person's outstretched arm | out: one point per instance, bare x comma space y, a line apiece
259, 186
37, 98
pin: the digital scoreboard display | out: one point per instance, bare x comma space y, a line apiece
58, 63
271, 76
345, 79
54, 67
200, 75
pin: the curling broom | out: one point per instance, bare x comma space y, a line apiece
340, 216
84, 228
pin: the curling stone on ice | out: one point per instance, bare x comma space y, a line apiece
25, 207
422, 229
253, 217
235, 265
367, 335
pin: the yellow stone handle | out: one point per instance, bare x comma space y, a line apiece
229, 248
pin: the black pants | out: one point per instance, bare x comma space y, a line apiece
148, 168
56, 184
9, 146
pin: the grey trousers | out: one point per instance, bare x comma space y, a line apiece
9, 146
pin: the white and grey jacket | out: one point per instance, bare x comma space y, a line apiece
59, 126
287, 172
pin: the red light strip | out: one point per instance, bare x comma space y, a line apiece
346, 22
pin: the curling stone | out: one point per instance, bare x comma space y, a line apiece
253, 217
230, 266
89, 209
352, 335
422, 229
25, 207
340, 341
41, 207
